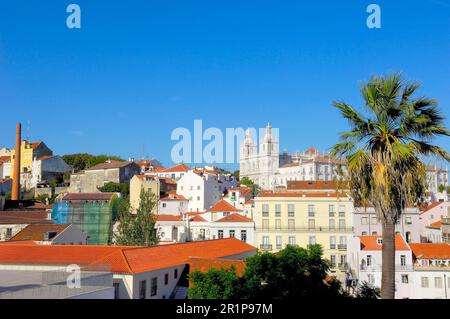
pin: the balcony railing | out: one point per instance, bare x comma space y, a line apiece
342, 247
265, 247
306, 229
378, 267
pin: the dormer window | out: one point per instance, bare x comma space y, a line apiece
380, 241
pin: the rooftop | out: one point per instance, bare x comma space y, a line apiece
24, 217
88, 196
223, 206
431, 250
36, 232
371, 243
234, 218
205, 264
110, 164
127, 260
177, 168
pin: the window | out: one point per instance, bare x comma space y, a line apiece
265, 210
175, 273
166, 279
154, 288
312, 240
198, 198
405, 279
220, 233
164, 204
374, 221
278, 223
364, 233
369, 260
265, 240
375, 233
311, 223
424, 282
402, 260
341, 210
279, 242
232, 233
277, 210
332, 224
437, 282
291, 210
116, 290
331, 210
343, 260
333, 260
364, 220
292, 240
198, 187
311, 211
408, 220
332, 242
142, 287
291, 224
244, 235
380, 241
341, 223
8, 233
265, 223
371, 279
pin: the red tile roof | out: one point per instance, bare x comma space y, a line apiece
436, 225
300, 195
169, 218
143, 177
197, 218
88, 196
250, 201
177, 168
431, 250
370, 243
311, 185
205, 264
234, 218
36, 231
223, 206
166, 180
35, 145
426, 207
24, 217
173, 197
311, 151
128, 260
244, 191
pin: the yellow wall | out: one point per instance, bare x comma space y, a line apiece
136, 184
27, 154
300, 229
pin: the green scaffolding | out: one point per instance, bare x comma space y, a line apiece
93, 217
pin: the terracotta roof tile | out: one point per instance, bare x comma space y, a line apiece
24, 217
36, 231
177, 168
122, 259
431, 250
436, 225
110, 165
370, 243
169, 218
234, 218
223, 206
300, 195
205, 264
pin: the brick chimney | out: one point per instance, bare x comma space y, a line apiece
15, 194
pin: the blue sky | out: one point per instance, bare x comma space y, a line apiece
136, 70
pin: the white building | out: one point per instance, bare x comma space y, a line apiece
12, 222
432, 213
202, 189
171, 228
421, 269
173, 204
51, 234
175, 173
365, 222
238, 196
137, 272
48, 168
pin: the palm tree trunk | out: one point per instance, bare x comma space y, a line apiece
388, 262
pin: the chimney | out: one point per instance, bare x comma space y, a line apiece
15, 195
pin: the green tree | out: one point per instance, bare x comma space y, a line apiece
249, 183
123, 188
214, 284
441, 188
383, 151
137, 229
367, 291
81, 161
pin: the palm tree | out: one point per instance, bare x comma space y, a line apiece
384, 152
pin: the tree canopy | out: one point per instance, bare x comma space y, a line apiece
81, 161
123, 188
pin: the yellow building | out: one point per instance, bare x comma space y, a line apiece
30, 151
149, 184
300, 218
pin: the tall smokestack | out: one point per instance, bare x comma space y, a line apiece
15, 194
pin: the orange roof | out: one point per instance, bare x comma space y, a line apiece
234, 218
24, 217
144, 177
167, 180
194, 213
299, 195
129, 260
88, 196
223, 206
311, 151
169, 218
431, 250
205, 264
436, 225
173, 196
245, 191
426, 207
5, 158
311, 185
35, 145
36, 231
197, 218
250, 201
370, 243
177, 168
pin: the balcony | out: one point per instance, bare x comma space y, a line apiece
265, 247
306, 229
332, 246
378, 267
342, 247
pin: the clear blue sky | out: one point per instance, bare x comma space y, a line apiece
138, 69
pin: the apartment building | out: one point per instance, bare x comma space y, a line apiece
304, 219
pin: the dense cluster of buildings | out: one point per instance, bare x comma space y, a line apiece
206, 219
